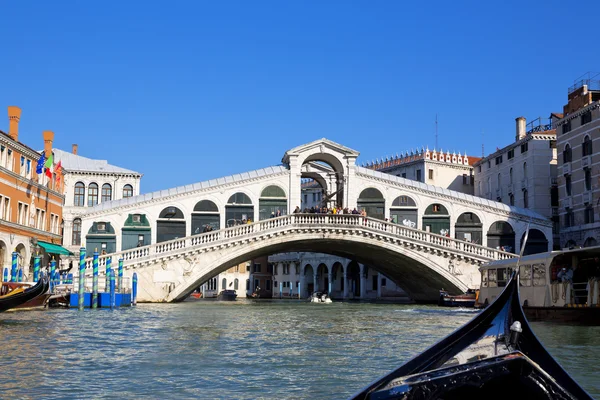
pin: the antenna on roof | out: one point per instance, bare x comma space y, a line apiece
436, 131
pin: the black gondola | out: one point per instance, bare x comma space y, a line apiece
495, 355
15, 300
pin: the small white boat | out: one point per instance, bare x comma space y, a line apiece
320, 297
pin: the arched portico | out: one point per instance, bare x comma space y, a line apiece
436, 219
372, 201
205, 217
170, 225
469, 228
501, 235
536, 242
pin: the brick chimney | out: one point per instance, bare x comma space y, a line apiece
74, 149
14, 115
521, 128
48, 138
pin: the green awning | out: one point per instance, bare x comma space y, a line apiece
54, 248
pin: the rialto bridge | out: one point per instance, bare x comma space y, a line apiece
440, 239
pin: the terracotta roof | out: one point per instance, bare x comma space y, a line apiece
557, 115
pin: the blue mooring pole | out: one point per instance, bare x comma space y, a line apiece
120, 275
81, 292
95, 281
36, 268
106, 275
6, 278
52, 274
113, 297
13, 270
20, 275
134, 289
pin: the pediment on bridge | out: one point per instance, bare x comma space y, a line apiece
320, 146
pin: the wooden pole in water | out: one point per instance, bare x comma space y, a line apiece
81, 277
36, 268
113, 297
134, 282
6, 278
95, 280
106, 275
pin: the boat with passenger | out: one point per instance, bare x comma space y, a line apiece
320, 297
466, 300
227, 295
559, 286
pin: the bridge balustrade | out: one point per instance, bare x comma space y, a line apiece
357, 222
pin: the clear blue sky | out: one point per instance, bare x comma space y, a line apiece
184, 91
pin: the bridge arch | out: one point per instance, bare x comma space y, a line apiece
337, 275
205, 216
273, 199
308, 275
436, 219
170, 224
404, 208
353, 278
501, 235
536, 242
373, 202
469, 228
239, 209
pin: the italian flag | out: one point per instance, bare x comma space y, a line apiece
49, 163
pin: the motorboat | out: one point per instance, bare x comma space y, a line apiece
227, 295
320, 297
24, 295
561, 286
495, 355
466, 300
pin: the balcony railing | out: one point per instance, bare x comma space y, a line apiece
591, 79
539, 125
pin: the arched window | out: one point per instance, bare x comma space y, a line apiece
76, 238
224, 284
106, 192
92, 194
510, 176
586, 148
127, 191
567, 156
525, 199
79, 199
236, 284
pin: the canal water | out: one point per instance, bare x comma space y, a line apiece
237, 350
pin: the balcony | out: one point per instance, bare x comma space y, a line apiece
524, 184
567, 202
566, 168
586, 161
587, 197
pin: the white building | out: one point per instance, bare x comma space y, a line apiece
523, 174
87, 183
579, 164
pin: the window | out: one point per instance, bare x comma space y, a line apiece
106, 192
569, 218
492, 278
270, 269
236, 284
268, 284
567, 156
511, 199
305, 199
510, 176
511, 154
524, 147
40, 221
479, 167
101, 226
524, 170
586, 148
568, 184
383, 282
498, 160
54, 223
127, 191
525, 275
247, 284
22, 168
404, 174
76, 236
525, 199
586, 117
489, 164
374, 280
588, 178
552, 144
92, 194
588, 215
419, 175
502, 277
430, 174
314, 197
256, 268
4, 208
22, 213
79, 196
566, 127
136, 218
499, 181
539, 274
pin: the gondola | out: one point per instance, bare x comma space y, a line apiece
39, 289
495, 355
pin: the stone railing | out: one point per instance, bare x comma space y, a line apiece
208, 240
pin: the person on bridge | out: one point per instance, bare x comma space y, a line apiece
297, 210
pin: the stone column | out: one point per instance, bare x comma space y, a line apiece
295, 190
302, 284
345, 277
363, 281
379, 285
330, 279
315, 282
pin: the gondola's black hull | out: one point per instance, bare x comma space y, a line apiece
29, 294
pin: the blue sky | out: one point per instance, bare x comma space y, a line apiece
184, 91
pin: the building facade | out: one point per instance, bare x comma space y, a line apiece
87, 183
30, 203
578, 142
523, 174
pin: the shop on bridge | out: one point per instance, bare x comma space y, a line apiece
469, 228
205, 217
501, 235
239, 209
101, 237
436, 219
170, 225
135, 232
372, 201
404, 211
272, 202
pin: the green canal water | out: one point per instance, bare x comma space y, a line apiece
238, 350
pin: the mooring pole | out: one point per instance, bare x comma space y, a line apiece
107, 276
134, 282
13, 270
120, 275
113, 297
53, 273
81, 278
36, 268
95, 280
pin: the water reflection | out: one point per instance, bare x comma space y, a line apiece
245, 350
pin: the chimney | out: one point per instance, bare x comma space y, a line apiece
74, 149
14, 115
48, 138
521, 128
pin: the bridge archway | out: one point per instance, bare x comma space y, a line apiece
322, 278
590, 242
239, 209
353, 277
372, 201
272, 202
205, 217
404, 210
170, 224
436, 219
337, 274
501, 235
136, 232
468, 227
101, 236
309, 274
536, 242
